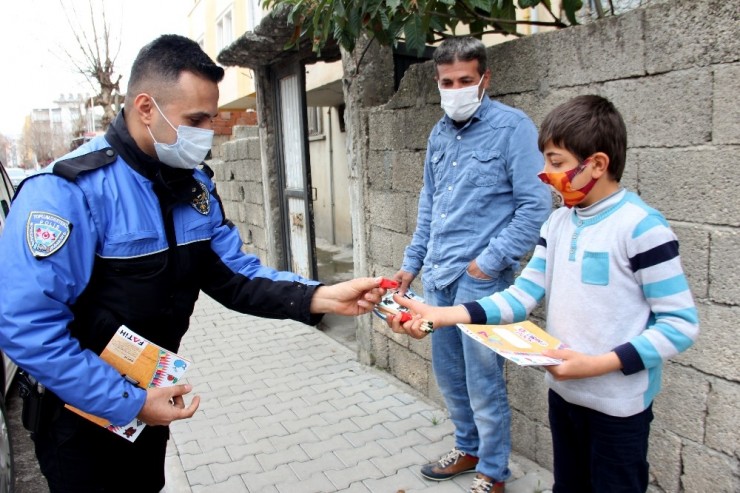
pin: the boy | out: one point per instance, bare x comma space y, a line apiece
616, 295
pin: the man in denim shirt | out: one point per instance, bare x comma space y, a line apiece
480, 211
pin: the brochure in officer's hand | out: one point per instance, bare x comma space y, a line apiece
143, 363
522, 342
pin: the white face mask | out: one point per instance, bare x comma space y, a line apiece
460, 104
190, 148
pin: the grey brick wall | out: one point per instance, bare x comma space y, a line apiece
672, 69
238, 175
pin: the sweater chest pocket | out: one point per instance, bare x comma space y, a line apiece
595, 268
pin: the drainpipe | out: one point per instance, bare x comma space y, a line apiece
331, 181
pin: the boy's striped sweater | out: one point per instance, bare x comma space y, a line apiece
613, 281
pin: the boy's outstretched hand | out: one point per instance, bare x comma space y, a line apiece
422, 314
580, 365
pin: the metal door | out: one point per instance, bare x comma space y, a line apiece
294, 170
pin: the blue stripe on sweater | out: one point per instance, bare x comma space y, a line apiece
648, 353
688, 314
649, 223
666, 287
537, 263
531, 288
654, 379
654, 256
679, 340
520, 313
493, 314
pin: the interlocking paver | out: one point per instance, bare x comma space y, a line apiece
235, 468
327, 462
355, 455
298, 438
266, 481
310, 422
343, 427
322, 409
232, 485
286, 409
343, 478
322, 447
251, 448
291, 454
201, 475
360, 438
393, 463
318, 483
402, 480
193, 461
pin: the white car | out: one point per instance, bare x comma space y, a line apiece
8, 369
17, 175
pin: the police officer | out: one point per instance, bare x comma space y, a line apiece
127, 230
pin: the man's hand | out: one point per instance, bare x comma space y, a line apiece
579, 365
165, 404
404, 279
475, 271
355, 297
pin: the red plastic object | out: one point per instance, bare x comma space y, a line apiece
386, 283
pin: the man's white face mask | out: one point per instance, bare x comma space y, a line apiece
190, 148
460, 104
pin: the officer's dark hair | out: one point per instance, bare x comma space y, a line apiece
462, 49
584, 126
161, 62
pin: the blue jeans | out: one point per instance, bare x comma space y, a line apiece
471, 380
597, 453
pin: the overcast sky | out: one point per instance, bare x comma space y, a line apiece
33, 67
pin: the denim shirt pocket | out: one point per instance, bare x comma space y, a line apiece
595, 268
436, 162
485, 167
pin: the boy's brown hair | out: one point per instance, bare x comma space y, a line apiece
586, 125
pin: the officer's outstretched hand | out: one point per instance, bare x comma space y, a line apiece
165, 404
354, 297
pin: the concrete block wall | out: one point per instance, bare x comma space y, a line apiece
672, 69
238, 176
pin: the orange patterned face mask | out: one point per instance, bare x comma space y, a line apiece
562, 183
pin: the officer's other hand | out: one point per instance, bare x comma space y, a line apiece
404, 279
354, 297
165, 404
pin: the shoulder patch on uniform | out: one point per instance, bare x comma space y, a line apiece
70, 168
46, 233
202, 201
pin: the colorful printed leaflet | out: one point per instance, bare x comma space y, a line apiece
521, 342
143, 363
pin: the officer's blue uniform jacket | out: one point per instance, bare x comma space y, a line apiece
113, 237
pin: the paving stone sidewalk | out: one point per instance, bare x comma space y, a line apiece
285, 408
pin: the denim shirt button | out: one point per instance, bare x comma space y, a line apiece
454, 163
459, 137
436, 266
443, 216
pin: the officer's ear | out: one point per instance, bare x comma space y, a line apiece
144, 108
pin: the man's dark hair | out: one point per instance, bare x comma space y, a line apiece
586, 125
162, 61
463, 49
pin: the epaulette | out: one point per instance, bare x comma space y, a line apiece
72, 167
207, 170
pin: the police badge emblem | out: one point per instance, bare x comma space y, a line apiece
46, 233
202, 201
